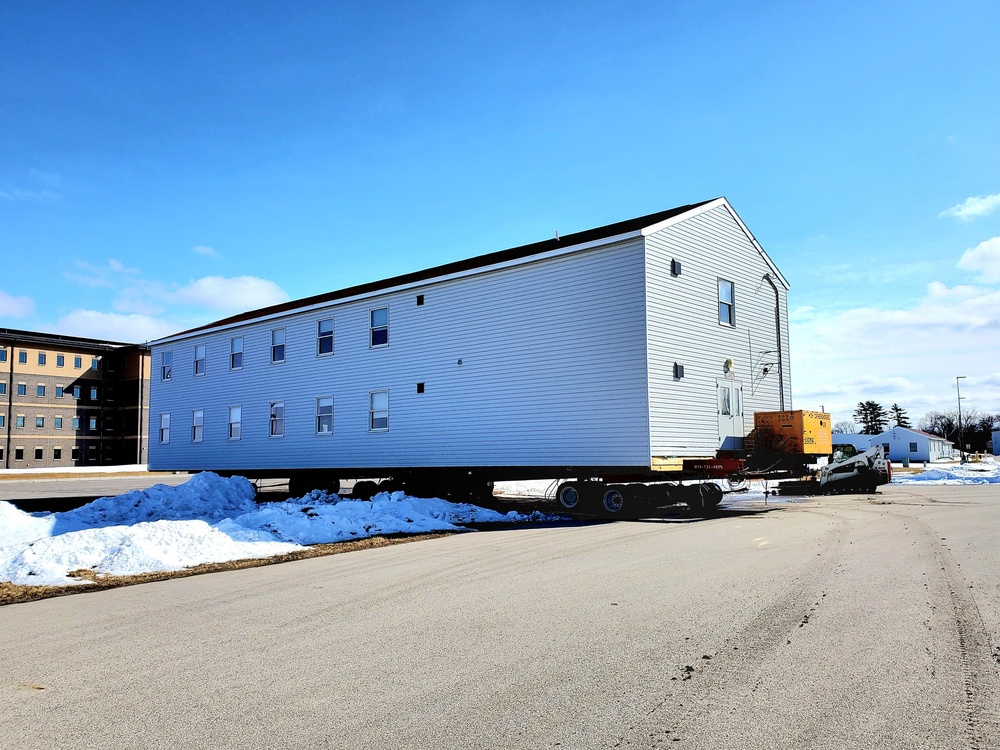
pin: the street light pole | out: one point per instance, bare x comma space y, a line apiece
961, 434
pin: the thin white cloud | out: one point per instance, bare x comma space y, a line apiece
100, 277
15, 307
984, 259
206, 250
908, 356
234, 294
974, 207
114, 327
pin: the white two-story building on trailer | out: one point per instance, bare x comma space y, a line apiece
600, 353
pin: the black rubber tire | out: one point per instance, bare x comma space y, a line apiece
570, 496
614, 500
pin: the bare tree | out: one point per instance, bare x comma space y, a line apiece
846, 427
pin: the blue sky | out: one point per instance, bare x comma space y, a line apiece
163, 164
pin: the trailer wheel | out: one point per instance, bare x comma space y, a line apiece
613, 500
570, 495
711, 494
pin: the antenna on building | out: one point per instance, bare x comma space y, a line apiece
557, 235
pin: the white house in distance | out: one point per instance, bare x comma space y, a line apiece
607, 351
916, 445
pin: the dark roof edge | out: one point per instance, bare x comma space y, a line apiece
38, 337
469, 264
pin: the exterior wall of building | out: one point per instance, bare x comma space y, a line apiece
541, 363
683, 321
60, 411
913, 445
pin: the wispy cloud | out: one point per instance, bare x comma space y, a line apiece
95, 277
206, 250
114, 327
15, 307
37, 186
908, 355
984, 258
234, 294
974, 207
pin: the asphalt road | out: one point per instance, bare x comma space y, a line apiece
844, 622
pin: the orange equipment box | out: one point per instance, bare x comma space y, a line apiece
796, 431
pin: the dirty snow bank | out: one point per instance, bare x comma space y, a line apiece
207, 519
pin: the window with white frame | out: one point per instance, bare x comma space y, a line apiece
378, 411
379, 323
324, 337
235, 422
197, 425
277, 345
166, 365
276, 419
164, 427
199, 359
236, 353
324, 415
727, 303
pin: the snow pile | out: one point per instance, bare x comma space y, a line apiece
208, 519
985, 471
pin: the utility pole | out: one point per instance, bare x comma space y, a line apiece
961, 433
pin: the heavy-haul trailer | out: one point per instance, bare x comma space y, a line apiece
612, 354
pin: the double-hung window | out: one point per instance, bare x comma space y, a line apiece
235, 422
277, 345
727, 303
324, 415
236, 353
166, 365
276, 420
199, 359
324, 337
197, 425
379, 323
378, 411
164, 427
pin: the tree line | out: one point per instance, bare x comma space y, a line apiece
874, 419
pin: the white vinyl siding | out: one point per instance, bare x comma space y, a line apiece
552, 373
684, 328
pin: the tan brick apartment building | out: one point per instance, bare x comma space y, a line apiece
69, 401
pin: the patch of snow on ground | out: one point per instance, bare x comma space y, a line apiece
208, 519
985, 471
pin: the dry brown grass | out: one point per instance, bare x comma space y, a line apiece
13, 594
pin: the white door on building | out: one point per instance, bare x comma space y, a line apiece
730, 404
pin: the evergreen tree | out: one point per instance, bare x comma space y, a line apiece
872, 417
899, 416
